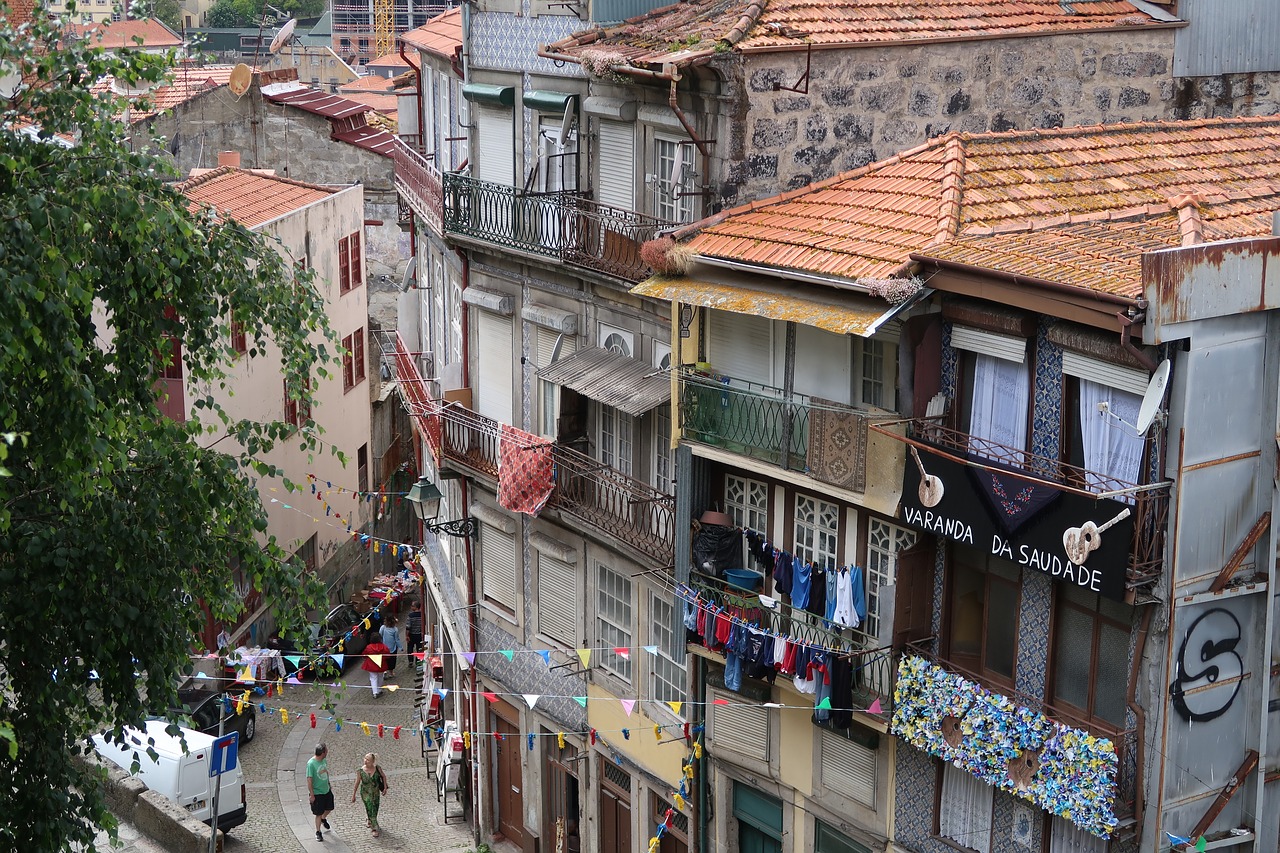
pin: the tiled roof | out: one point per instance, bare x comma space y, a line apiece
386, 103
248, 197
390, 60
370, 139
440, 36
117, 34
186, 82
1065, 202
368, 83
693, 29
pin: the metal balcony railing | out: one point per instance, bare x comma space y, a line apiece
608, 239
1150, 504
874, 667
746, 418
1127, 742
418, 182
539, 223
631, 511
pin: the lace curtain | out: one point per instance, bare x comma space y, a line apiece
1001, 392
1111, 448
964, 815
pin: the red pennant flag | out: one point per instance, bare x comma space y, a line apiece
720, 702
379, 729
593, 737
313, 721
395, 733
686, 733
492, 697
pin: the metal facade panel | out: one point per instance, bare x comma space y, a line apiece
1215, 380
615, 11
627, 384
1210, 280
1226, 37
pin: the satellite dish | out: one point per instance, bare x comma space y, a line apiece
677, 171
1150, 408
410, 273
282, 38
239, 80
566, 125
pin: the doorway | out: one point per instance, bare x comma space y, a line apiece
615, 808
509, 799
563, 826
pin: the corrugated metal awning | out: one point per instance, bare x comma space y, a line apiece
610, 378
842, 312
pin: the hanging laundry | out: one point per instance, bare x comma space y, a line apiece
526, 471
801, 582
818, 592
782, 572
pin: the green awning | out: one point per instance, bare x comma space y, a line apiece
489, 93
546, 101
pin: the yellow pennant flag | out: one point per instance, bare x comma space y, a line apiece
247, 675
560, 739
391, 688
466, 740
657, 732
697, 749
377, 659
366, 623
675, 706
365, 727
376, 546
584, 655
678, 801
284, 716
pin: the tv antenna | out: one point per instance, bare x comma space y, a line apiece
284, 36
1149, 412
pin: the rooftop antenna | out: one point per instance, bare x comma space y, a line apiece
1149, 412
283, 37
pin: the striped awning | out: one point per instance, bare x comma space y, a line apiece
610, 378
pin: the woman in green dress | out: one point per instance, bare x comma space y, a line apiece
371, 784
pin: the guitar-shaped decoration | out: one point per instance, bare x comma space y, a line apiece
1080, 542
931, 488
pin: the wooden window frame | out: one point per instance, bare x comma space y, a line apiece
350, 263
1085, 717
979, 668
296, 413
353, 358
362, 467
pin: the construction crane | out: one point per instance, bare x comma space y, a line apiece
384, 16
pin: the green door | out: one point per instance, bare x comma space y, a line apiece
759, 820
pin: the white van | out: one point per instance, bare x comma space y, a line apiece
181, 777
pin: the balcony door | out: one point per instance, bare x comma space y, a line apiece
557, 172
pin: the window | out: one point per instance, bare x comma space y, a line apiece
759, 819
663, 464
984, 597
877, 373
667, 684
817, 529
613, 620
353, 360
676, 838
362, 468
1066, 837
557, 600
828, 840
964, 812
350, 263
616, 439
884, 541
552, 345
995, 397
673, 180
239, 341
848, 767
747, 503
296, 412
617, 341
498, 566
1091, 654
1105, 446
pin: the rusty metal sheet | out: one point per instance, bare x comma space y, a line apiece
841, 312
318, 102
371, 139
1208, 280
627, 384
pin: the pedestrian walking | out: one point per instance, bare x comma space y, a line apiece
375, 662
413, 627
371, 784
318, 790
390, 639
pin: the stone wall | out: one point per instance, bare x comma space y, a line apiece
867, 104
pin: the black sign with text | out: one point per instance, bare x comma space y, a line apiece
1073, 539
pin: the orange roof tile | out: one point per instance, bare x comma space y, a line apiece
114, 35
368, 83
440, 36
693, 29
248, 197
1065, 202
390, 59
384, 102
186, 82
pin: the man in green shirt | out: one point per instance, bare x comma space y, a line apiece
318, 790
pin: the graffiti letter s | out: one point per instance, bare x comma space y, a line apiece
1211, 641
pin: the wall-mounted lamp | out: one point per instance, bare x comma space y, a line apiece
425, 497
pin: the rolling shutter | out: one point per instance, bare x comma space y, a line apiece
849, 768
1111, 375
493, 392
617, 157
740, 728
498, 565
741, 346
496, 162
1004, 347
547, 346
557, 600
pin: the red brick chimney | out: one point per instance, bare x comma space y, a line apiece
229, 158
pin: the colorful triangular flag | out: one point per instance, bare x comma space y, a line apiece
470, 658
546, 656
875, 708
628, 705
531, 699
825, 704
581, 700
376, 660
675, 707
584, 655
622, 652
653, 650
492, 697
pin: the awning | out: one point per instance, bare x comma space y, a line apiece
839, 311
489, 94
547, 101
610, 378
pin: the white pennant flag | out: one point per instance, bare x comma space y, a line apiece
532, 699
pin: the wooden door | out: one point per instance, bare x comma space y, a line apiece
509, 800
615, 809
913, 601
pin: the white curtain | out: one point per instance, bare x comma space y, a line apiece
964, 815
1111, 448
1066, 837
1001, 392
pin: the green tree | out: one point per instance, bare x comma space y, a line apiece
116, 523
166, 11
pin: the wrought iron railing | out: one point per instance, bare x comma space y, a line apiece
608, 239
874, 667
536, 222
1149, 504
1126, 742
418, 182
746, 418
627, 509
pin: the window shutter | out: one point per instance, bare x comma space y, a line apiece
1111, 375
498, 566
744, 730
742, 346
547, 345
359, 355
493, 392
357, 260
1004, 347
913, 601
849, 768
344, 265
497, 149
557, 600
823, 364
616, 156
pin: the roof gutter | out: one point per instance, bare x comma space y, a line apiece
417, 69
1081, 293
778, 272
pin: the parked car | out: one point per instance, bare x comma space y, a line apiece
203, 707
335, 628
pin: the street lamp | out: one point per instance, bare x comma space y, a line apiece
425, 497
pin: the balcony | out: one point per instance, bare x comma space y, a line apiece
874, 666
1148, 505
418, 183
622, 507
564, 225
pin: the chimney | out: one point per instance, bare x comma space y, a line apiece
229, 158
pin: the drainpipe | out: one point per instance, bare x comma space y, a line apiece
422, 133
1125, 322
